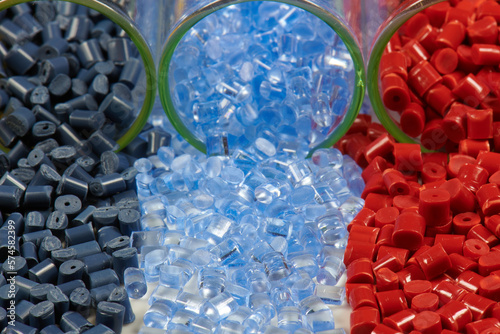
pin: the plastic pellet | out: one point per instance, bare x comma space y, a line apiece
74, 321
80, 301
79, 234
135, 282
86, 248
38, 293
47, 246
123, 259
70, 270
42, 314
111, 315
59, 300
119, 295
101, 293
44, 272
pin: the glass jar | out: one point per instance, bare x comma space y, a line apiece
385, 18
343, 17
122, 13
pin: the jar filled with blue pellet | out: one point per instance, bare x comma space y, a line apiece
262, 76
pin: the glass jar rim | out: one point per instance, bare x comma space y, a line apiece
341, 28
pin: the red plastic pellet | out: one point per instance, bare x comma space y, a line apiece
479, 326
395, 182
385, 235
463, 222
362, 296
394, 63
391, 302
357, 250
489, 287
427, 322
434, 206
473, 176
410, 273
454, 315
451, 36
415, 288
432, 172
434, 261
461, 199
488, 263
395, 93
483, 31
475, 248
364, 233
490, 161
482, 233
479, 306
425, 302
386, 279
360, 271
401, 321
413, 119
409, 231
480, 124
460, 264
469, 280
382, 146
488, 198
448, 291
364, 320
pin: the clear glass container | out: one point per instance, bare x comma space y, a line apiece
123, 13
344, 17
384, 19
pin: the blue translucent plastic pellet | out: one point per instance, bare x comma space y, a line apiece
211, 282
190, 302
227, 251
138, 239
276, 266
152, 263
332, 227
330, 294
331, 270
164, 294
143, 165
172, 276
261, 303
135, 282
220, 306
302, 288
158, 315
304, 261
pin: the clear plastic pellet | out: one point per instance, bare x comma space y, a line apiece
135, 282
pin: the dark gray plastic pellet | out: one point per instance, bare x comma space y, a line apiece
68, 136
60, 85
57, 222
10, 197
102, 143
23, 164
53, 329
60, 301
84, 102
116, 108
37, 157
42, 314
35, 237
88, 120
68, 287
69, 204
29, 24
103, 26
80, 301
42, 114
21, 9
34, 221
24, 287
8, 179
102, 293
47, 246
86, 248
110, 315
131, 72
51, 30
78, 29
30, 253
76, 171
62, 111
79, 234
124, 258
20, 121
23, 311
43, 272
7, 137
74, 321
40, 96
38, 293
117, 244
112, 162
19, 327
107, 185
11, 33
43, 130
47, 145
120, 296
122, 90
78, 87
70, 270
106, 234
23, 174
97, 262
54, 47
38, 197
157, 139
72, 186
21, 58
87, 163
99, 87
45, 12
61, 255
105, 216
130, 221
89, 52
46, 175
84, 217
50, 68
64, 154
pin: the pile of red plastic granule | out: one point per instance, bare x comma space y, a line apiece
440, 76
423, 254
